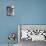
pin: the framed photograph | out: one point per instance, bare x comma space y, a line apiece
10, 10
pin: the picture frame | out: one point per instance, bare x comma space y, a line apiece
10, 10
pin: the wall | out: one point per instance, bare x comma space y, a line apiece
26, 12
